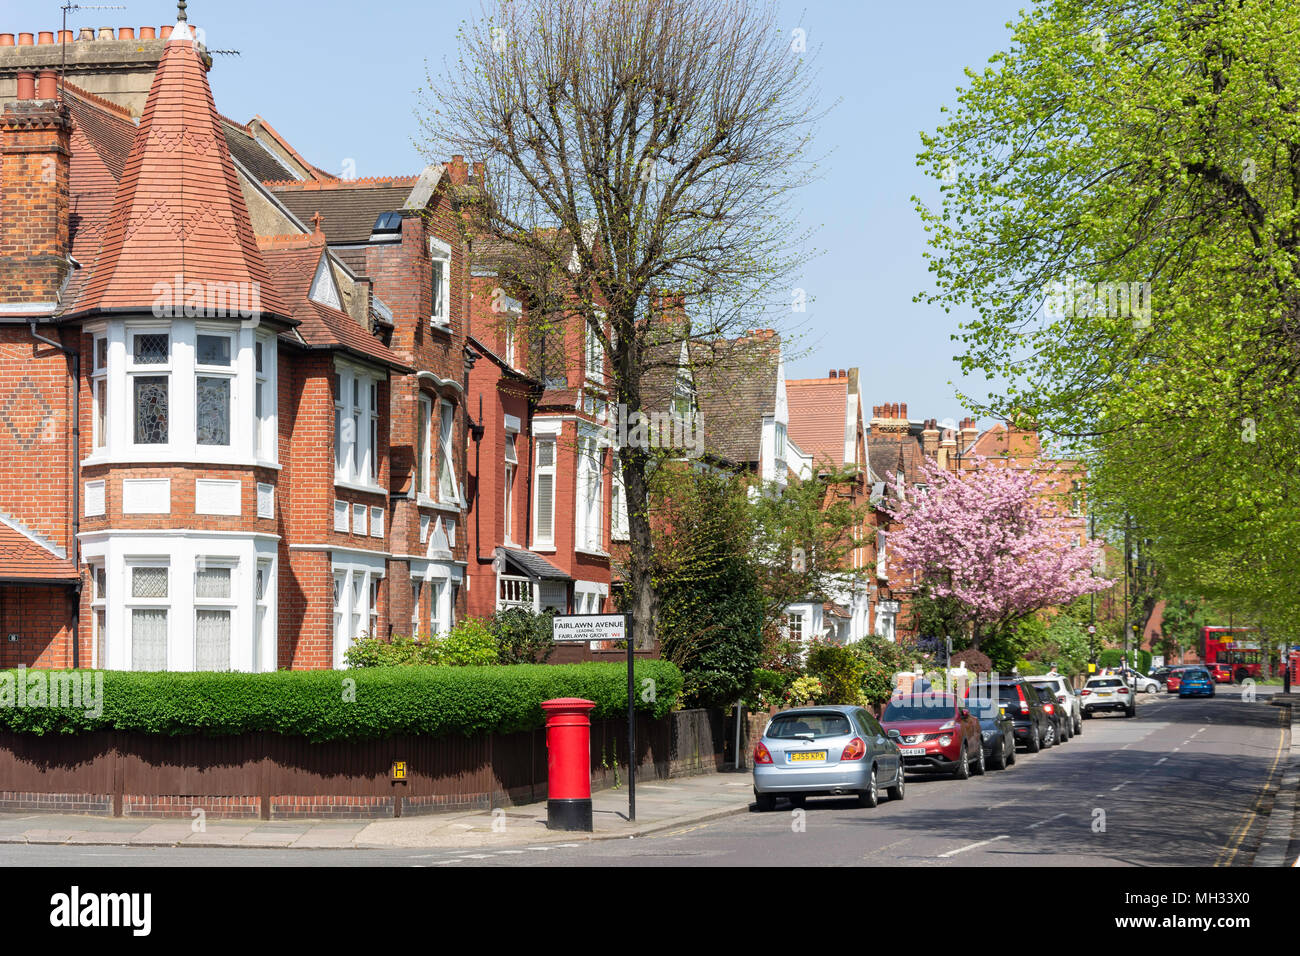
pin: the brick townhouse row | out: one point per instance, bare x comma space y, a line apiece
251, 410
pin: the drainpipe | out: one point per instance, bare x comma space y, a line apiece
74, 359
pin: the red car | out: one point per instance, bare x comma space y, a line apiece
1220, 673
935, 733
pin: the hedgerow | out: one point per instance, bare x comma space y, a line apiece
363, 703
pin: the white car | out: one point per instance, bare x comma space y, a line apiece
1146, 685
1108, 692
1065, 697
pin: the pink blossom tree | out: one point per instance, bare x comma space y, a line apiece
996, 539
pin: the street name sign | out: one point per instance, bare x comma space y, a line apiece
589, 627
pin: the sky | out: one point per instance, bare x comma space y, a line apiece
340, 81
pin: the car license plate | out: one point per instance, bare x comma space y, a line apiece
1105, 693
912, 751
807, 755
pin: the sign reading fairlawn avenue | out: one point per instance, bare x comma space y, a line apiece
590, 627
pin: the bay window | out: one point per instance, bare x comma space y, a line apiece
214, 608
424, 446
356, 425
214, 375
507, 510
150, 377
264, 625
99, 391
148, 605
590, 476
447, 486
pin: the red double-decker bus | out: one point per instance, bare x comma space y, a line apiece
1229, 647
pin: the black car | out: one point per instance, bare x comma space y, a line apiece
1060, 717
997, 730
1034, 728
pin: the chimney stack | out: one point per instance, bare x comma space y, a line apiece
457, 171
34, 234
930, 438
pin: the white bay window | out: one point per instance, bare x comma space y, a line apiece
356, 425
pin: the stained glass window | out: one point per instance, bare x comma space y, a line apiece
151, 409
213, 412
150, 348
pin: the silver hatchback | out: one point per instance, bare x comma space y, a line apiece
826, 751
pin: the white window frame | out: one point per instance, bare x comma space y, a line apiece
150, 371
440, 291
356, 462
99, 393
228, 604
510, 470
98, 614
228, 373
264, 629
424, 450
266, 388
619, 526
539, 471
447, 452
417, 596
133, 603
593, 352
588, 494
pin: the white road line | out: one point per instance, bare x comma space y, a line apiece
1035, 826
1118, 786
1160, 761
972, 846
1176, 749
473, 856
504, 852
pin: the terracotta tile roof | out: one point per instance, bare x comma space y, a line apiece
179, 207
895, 454
735, 383
818, 410
348, 208
292, 262
22, 559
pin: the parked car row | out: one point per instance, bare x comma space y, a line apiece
846, 751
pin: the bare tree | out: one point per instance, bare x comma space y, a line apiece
635, 147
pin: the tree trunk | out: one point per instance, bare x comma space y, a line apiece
643, 603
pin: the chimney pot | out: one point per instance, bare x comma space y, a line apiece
65, 36
27, 85
457, 171
45, 38
902, 410
842, 375
479, 172
86, 34
831, 373
148, 33
164, 31
105, 33
126, 33
47, 86
6, 39
24, 39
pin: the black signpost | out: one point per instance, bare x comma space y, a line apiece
585, 628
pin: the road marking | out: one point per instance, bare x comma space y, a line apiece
1118, 786
1160, 761
503, 852
1035, 826
1201, 731
972, 846
1175, 750
1239, 834
1004, 803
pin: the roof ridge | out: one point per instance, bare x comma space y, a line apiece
316, 184
95, 99
275, 135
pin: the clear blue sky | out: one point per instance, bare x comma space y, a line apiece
339, 81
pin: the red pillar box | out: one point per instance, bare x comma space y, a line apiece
568, 763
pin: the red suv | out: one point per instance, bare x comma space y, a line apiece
935, 732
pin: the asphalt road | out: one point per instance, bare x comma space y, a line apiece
1183, 783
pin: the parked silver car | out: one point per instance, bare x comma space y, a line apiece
826, 751
1066, 697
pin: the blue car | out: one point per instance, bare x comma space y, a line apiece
1196, 682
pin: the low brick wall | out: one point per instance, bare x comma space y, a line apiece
269, 776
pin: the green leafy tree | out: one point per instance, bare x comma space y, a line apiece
1117, 205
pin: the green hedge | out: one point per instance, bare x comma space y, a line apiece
354, 704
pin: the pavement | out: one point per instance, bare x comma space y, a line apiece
660, 805
1280, 844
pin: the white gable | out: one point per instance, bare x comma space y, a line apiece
323, 289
